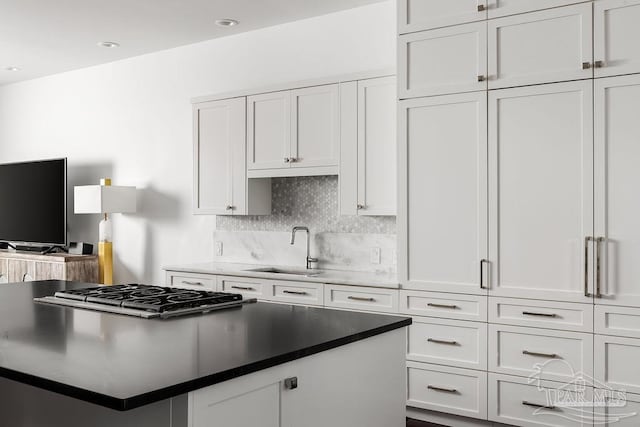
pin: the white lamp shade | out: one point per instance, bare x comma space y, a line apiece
101, 199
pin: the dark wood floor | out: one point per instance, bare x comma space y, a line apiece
416, 423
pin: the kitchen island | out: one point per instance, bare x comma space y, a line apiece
261, 364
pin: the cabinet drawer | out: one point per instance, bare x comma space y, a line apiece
191, 280
499, 8
616, 363
619, 321
361, 298
418, 15
625, 416
427, 65
451, 390
449, 306
297, 293
448, 342
250, 288
514, 401
520, 351
541, 314
540, 47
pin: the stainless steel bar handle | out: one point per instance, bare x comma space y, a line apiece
295, 292
287, 159
360, 206
436, 341
481, 8
598, 64
186, 282
361, 298
481, 78
599, 242
442, 389
531, 313
452, 307
537, 405
536, 354
482, 263
586, 265
586, 65
243, 288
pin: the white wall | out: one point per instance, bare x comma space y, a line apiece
131, 120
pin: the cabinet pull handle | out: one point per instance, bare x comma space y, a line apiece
361, 298
598, 64
586, 265
452, 307
481, 8
295, 292
359, 206
536, 354
599, 242
287, 159
537, 405
586, 65
531, 313
243, 288
436, 341
293, 159
186, 282
482, 263
481, 78
230, 208
442, 389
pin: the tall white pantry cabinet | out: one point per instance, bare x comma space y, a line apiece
519, 208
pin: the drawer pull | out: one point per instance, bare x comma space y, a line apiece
531, 313
361, 298
442, 389
452, 307
436, 341
243, 288
481, 8
295, 292
186, 282
536, 354
598, 64
537, 405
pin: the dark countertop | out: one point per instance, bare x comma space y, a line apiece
123, 362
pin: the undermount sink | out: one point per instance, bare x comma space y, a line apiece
275, 270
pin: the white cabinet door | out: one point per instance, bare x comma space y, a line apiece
219, 145
616, 34
315, 126
541, 47
540, 190
616, 363
448, 60
417, 15
443, 193
511, 7
377, 147
617, 156
269, 130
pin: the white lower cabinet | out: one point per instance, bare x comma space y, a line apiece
448, 342
444, 389
361, 298
616, 365
619, 410
247, 287
517, 401
541, 314
618, 321
441, 305
200, 282
304, 293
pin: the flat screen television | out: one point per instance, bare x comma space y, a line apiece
33, 202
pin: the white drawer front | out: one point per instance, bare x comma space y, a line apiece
448, 342
297, 293
541, 314
191, 281
616, 363
619, 321
250, 288
448, 306
515, 402
361, 298
618, 416
451, 390
518, 351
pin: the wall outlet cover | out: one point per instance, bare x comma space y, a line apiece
218, 245
375, 255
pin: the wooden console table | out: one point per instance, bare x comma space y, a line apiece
25, 267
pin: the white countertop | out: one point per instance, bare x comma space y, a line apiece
338, 277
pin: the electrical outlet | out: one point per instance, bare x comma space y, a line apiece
218, 248
375, 255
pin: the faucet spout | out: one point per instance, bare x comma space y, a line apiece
297, 228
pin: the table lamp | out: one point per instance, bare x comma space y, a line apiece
104, 199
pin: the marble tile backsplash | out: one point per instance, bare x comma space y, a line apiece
310, 201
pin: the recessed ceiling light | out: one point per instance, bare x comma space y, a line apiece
226, 22
109, 45
12, 69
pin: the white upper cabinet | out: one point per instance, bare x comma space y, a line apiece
541, 191
368, 147
447, 60
220, 176
616, 35
418, 15
511, 7
541, 47
269, 130
617, 202
315, 126
443, 193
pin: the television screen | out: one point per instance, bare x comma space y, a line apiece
33, 202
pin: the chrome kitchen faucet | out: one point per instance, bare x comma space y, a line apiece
309, 260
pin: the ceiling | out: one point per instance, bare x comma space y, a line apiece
43, 37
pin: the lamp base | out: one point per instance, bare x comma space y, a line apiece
105, 262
